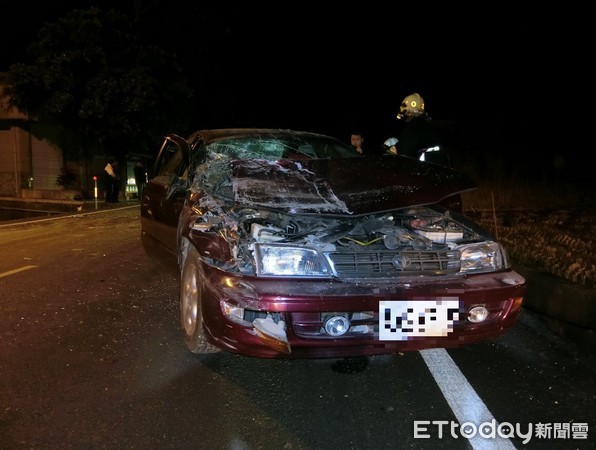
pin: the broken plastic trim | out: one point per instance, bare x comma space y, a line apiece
272, 334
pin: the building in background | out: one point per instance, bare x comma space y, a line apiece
32, 166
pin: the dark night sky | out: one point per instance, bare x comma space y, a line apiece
298, 66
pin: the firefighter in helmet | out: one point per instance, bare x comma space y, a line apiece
411, 106
419, 138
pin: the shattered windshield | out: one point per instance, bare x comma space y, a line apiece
273, 148
257, 170
268, 149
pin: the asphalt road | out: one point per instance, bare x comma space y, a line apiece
91, 357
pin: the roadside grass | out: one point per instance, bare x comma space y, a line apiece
547, 225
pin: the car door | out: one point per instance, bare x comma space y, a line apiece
165, 193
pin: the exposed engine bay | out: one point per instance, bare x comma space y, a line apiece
414, 239
412, 228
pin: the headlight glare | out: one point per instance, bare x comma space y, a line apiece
482, 257
282, 260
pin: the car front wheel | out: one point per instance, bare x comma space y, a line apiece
191, 314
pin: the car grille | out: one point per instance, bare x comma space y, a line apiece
365, 264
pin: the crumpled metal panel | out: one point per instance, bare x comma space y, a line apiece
343, 186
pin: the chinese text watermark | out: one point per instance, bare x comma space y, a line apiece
492, 430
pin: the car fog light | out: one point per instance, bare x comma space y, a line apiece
337, 325
477, 314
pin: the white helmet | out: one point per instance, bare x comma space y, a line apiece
390, 142
390, 146
411, 106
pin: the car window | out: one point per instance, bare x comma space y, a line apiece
170, 160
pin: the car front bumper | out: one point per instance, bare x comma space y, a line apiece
304, 304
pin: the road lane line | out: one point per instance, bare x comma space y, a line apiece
462, 398
20, 269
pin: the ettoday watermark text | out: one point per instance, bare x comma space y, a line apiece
494, 430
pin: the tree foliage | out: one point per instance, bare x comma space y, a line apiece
91, 74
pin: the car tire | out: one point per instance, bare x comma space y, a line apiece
191, 311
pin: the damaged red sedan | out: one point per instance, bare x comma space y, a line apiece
291, 244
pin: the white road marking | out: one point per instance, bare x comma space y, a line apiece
462, 398
20, 269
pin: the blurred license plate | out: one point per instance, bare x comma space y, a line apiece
400, 320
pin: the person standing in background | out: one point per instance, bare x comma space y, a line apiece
110, 180
357, 141
115, 182
419, 139
140, 178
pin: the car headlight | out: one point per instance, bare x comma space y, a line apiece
483, 257
283, 260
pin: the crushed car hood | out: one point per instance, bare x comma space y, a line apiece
343, 186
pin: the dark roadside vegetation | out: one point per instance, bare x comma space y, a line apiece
540, 205
556, 236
